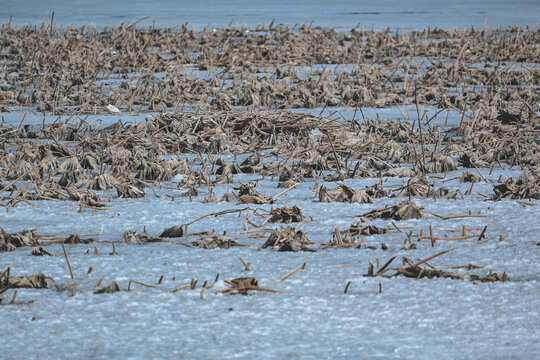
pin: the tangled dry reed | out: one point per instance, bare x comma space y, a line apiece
228, 91
83, 70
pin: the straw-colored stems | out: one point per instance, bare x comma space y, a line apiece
482, 234
301, 267
285, 191
138, 282
246, 265
382, 270
67, 260
13, 297
431, 257
181, 287
347, 287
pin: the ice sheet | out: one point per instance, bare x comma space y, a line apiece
440, 318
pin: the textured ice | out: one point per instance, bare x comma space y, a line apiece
343, 14
313, 319
407, 113
440, 318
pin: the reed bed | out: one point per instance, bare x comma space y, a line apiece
230, 91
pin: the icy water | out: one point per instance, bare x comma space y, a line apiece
398, 318
378, 318
344, 14
442, 318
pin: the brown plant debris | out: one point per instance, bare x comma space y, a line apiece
442, 164
212, 241
286, 215
36, 281
292, 272
7, 247
40, 251
360, 229
173, 231
77, 239
468, 176
383, 58
10, 241
417, 185
242, 285
288, 239
343, 193
248, 195
414, 270
199, 128
418, 272
85, 197
140, 238
129, 191
526, 186
404, 210
108, 289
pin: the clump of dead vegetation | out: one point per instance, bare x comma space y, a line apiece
230, 116
91, 70
414, 270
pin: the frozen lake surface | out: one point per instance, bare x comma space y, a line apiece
343, 14
313, 318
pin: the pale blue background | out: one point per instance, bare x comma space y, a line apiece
340, 14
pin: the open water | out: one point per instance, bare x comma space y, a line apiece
342, 14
